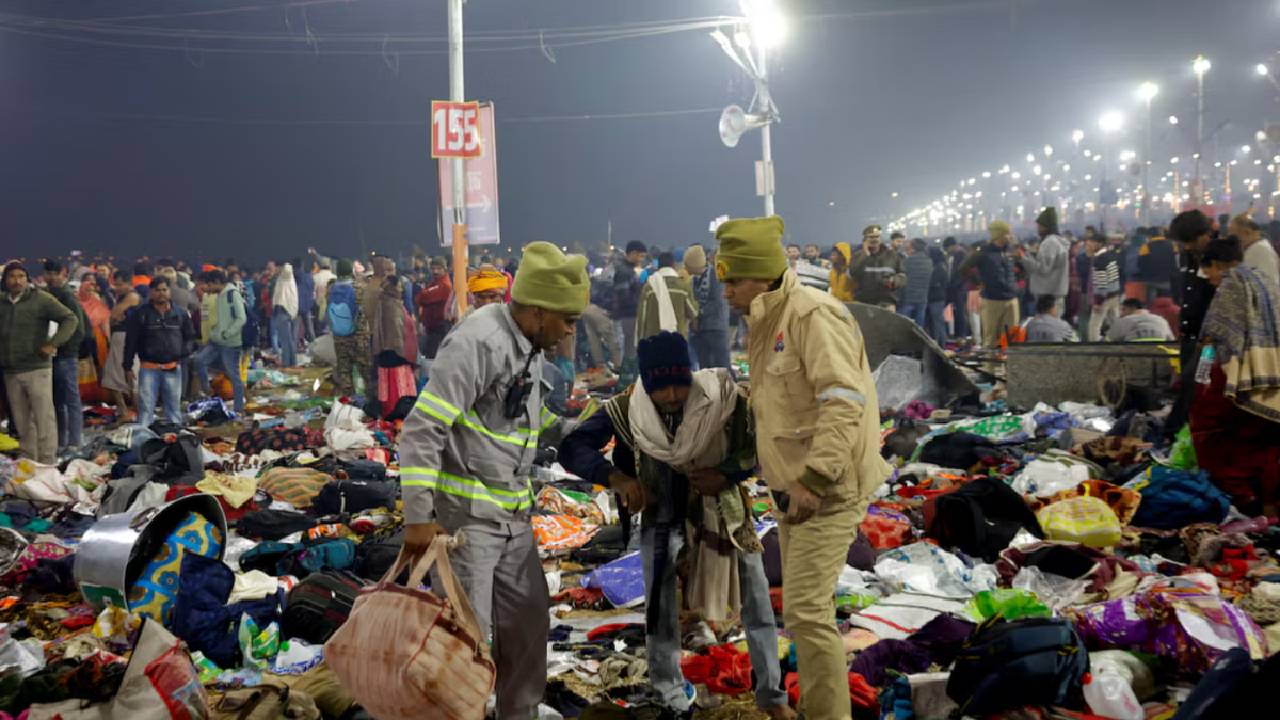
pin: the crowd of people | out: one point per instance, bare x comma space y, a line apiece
678, 438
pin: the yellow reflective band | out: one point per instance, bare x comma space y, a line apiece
512, 439
441, 404
424, 407
459, 486
551, 419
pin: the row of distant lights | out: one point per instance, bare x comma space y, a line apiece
1109, 122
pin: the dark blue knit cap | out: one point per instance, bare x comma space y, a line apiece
664, 361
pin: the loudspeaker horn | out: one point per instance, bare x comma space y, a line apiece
734, 121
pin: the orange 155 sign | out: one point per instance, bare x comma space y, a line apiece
455, 129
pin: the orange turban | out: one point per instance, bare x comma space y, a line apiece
486, 280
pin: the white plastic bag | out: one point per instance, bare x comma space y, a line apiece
1045, 478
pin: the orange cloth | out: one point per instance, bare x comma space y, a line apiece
485, 280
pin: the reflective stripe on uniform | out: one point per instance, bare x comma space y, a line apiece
842, 394
523, 437
549, 419
459, 486
438, 408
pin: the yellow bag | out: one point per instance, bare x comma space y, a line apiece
1086, 520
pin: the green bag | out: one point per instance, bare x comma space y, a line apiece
1182, 456
1007, 603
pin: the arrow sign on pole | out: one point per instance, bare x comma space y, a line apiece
481, 178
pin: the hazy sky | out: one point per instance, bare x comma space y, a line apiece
130, 149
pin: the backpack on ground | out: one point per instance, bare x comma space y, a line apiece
341, 497
320, 604
180, 462
980, 518
1006, 665
342, 310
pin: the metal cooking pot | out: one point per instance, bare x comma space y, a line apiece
113, 552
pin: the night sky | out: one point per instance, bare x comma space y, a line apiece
129, 150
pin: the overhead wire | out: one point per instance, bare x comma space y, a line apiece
111, 34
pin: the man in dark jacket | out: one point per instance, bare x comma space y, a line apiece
66, 365
306, 300
162, 336
26, 352
957, 285
877, 271
918, 268
999, 310
625, 300
1158, 265
1193, 230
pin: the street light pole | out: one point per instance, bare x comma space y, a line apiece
457, 94
766, 143
1200, 66
1147, 91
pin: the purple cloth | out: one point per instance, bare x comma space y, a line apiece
903, 656
942, 637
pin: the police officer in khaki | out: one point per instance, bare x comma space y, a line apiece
818, 440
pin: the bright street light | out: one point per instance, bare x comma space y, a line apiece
1201, 65
1262, 69
1173, 119
1077, 136
1127, 155
1245, 149
1048, 151
768, 26
1031, 157
1110, 121
1147, 91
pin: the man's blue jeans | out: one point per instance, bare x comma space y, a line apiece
167, 384
66, 402
228, 360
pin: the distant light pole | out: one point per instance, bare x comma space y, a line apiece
1109, 123
1147, 92
1200, 66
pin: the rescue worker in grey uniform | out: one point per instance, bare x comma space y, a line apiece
466, 455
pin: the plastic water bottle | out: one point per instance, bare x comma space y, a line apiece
1205, 368
1110, 696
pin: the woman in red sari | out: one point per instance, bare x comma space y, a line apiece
1235, 419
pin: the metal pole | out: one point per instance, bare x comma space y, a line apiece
766, 146
1146, 172
457, 93
1199, 132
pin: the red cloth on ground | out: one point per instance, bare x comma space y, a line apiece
861, 694
724, 670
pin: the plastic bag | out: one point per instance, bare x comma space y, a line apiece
1110, 696
1046, 478
1058, 591
1183, 453
258, 647
621, 580
1006, 603
1086, 520
927, 568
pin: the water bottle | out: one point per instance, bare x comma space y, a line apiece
1205, 368
1110, 696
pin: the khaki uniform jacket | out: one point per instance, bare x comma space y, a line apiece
812, 394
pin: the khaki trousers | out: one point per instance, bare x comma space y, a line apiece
31, 407
813, 554
997, 317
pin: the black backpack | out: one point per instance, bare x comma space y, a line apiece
374, 557
342, 497
980, 518
363, 470
180, 462
320, 604
1005, 665
958, 450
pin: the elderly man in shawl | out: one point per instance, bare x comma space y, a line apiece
684, 446
1235, 418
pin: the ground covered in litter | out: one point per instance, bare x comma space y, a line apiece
1044, 559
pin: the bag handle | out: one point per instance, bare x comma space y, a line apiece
437, 556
